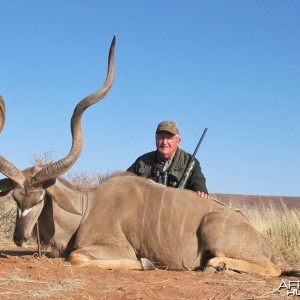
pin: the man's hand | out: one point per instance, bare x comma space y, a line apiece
202, 195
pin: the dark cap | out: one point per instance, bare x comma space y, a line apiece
168, 126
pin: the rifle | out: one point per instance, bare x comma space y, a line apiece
189, 167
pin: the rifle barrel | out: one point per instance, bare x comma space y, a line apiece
190, 165
199, 143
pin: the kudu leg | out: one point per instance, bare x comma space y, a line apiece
232, 241
263, 268
85, 257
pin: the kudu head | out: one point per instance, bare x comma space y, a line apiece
28, 188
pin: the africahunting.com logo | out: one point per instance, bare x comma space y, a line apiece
292, 287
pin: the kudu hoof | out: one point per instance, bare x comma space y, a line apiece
147, 264
221, 267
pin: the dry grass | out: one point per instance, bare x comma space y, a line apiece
7, 219
281, 226
43, 289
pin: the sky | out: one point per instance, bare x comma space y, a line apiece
229, 66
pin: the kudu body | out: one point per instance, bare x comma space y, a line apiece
128, 221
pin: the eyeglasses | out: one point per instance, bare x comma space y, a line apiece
170, 139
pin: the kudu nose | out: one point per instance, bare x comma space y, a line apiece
20, 241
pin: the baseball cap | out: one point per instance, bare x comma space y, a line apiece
168, 126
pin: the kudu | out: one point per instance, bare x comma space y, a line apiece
128, 221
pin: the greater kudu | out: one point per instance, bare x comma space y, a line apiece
128, 221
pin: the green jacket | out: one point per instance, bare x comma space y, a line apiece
148, 164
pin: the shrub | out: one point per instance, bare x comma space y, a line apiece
8, 212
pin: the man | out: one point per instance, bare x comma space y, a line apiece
167, 164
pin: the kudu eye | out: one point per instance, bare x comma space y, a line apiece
29, 197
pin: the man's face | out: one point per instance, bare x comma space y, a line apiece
166, 144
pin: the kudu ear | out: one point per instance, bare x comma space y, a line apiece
67, 206
6, 185
62, 199
6, 190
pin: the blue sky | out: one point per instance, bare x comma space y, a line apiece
230, 66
